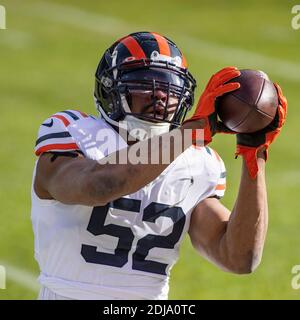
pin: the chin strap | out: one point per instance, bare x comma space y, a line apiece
142, 129
137, 128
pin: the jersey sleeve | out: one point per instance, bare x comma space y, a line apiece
220, 183
53, 134
220, 187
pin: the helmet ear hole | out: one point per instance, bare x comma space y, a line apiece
104, 93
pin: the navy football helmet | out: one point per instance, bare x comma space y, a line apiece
143, 61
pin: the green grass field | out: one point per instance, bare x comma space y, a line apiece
48, 56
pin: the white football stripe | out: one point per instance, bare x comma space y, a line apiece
16, 39
74, 16
113, 26
241, 57
23, 277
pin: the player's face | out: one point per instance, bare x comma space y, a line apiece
143, 101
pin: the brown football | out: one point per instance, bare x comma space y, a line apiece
251, 107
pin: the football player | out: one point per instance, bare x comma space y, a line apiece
113, 231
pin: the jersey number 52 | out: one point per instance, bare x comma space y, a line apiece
151, 213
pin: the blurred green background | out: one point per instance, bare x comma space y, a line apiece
48, 56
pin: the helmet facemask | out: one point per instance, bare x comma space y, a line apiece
143, 79
146, 76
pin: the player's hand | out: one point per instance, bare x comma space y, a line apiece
248, 144
205, 109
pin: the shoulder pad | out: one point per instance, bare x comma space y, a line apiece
54, 135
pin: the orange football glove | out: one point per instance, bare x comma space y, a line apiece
216, 87
249, 143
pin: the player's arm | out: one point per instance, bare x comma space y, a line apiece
78, 180
82, 181
234, 241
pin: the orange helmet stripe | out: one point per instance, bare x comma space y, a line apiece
183, 63
162, 44
134, 48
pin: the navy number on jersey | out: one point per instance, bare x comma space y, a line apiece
151, 213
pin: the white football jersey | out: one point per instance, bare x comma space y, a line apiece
125, 249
